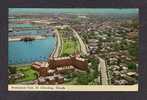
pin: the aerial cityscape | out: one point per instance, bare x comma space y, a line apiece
73, 46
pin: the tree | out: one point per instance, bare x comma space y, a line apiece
133, 50
132, 66
12, 80
82, 79
65, 54
12, 70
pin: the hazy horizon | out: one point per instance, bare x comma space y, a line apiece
73, 10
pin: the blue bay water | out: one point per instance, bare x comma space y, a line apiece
27, 32
31, 32
23, 25
26, 52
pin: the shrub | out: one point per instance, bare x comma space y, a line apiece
12, 70
82, 79
131, 66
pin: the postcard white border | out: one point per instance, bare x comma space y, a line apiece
73, 88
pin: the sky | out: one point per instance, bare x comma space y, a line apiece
72, 10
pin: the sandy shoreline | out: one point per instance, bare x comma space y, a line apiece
18, 65
18, 38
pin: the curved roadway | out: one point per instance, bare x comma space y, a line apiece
102, 64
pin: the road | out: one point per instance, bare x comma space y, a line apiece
103, 71
82, 45
57, 50
102, 65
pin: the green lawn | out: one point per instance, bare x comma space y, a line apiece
70, 44
71, 82
70, 47
29, 74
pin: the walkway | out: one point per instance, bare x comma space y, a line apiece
57, 49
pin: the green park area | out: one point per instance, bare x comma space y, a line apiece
70, 44
21, 73
69, 47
